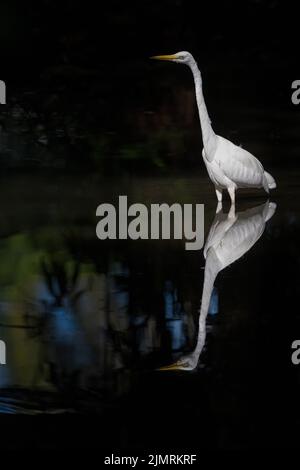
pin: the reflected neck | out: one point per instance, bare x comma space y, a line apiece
212, 268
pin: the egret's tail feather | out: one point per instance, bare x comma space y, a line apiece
270, 180
269, 210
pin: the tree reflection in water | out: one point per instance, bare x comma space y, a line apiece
91, 323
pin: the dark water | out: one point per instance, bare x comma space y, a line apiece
131, 346
87, 323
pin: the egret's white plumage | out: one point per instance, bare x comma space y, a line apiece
229, 166
229, 238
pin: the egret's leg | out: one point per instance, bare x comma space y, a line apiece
218, 193
219, 207
231, 190
231, 213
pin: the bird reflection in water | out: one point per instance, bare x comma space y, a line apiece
230, 237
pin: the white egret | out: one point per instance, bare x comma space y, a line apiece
229, 166
229, 238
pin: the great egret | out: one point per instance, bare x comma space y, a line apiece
229, 166
229, 238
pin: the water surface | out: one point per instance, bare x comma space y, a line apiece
87, 323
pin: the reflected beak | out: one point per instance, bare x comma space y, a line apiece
164, 57
174, 366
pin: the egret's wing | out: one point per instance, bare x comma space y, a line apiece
217, 231
244, 233
240, 166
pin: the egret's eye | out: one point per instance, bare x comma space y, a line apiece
180, 57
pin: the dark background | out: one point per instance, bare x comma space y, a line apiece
88, 96
83, 97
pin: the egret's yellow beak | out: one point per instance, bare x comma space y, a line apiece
174, 366
164, 57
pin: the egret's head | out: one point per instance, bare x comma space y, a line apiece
183, 57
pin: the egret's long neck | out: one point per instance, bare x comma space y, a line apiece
208, 135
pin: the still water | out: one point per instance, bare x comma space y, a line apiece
161, 347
